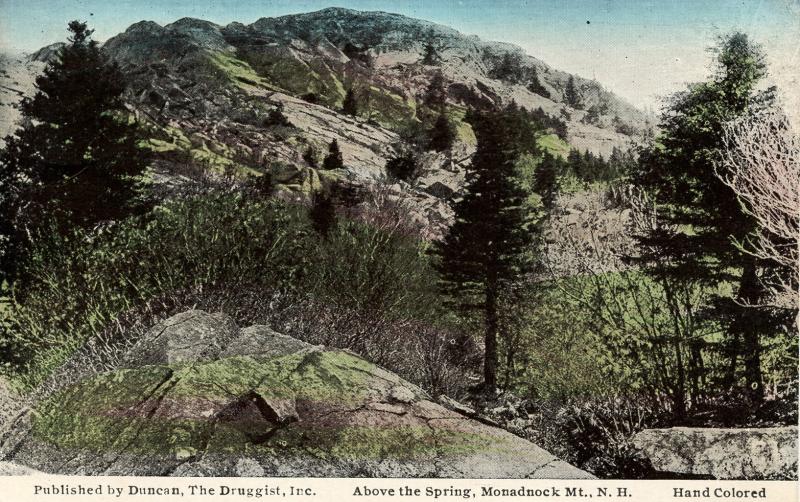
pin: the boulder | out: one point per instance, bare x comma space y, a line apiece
201, 398
190, 336
767, 453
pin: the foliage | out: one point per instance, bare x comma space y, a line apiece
762, 161
76, 161
197, 242
680, 172
310, 156
571, 95
441, 135
322, 214
535, 86
546, 179
350, 104
403, 165
486, 250
589, 167
276, 118
334, 158
436, 93
509, 68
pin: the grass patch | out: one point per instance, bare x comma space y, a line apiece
554, 145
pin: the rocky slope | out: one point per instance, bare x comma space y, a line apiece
200, 397
206, 90
207, 96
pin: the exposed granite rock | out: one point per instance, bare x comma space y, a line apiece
256, 403
768, 453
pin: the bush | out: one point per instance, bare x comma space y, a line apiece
276, 118
403, 166
368, 287
92, 278
596, 434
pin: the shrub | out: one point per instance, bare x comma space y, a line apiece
93, 277
403, 166
596, 434
276, 118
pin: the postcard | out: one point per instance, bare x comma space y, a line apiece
398, 249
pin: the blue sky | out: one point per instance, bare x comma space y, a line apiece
643, 50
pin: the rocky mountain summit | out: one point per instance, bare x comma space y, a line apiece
208, 97
198, 396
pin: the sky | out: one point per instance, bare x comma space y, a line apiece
642, 50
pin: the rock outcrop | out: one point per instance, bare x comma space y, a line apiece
768, 453
199, 397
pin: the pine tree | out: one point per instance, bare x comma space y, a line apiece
76, 162
486, 250
442, 135
310, 156
403, 165
322, 214
430, 54
545, 181
535, 86
681, 173
334, 158
436, 93
571, 96
350, 105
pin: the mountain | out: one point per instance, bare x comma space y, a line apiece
207, 94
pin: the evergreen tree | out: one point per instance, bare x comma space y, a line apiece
310, 156
486, 250
430, 53
509, 69
334, 158
275, 117
76, 161
535, 86
681, 173
403, 165
322, 214
350, 105
436, 93
545, 181
571, 96
442, 135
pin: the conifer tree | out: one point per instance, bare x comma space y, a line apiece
323, 214
350, 105
442, 135
436, 93
76, 162
430, 53
334, 158
536, 86
310, 156
681, 173
571, 96
486, 250
545, 181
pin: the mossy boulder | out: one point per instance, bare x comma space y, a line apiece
201, 397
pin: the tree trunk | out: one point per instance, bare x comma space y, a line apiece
679, 391
490, 350
749, 327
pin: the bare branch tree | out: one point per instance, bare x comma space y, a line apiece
761, 163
